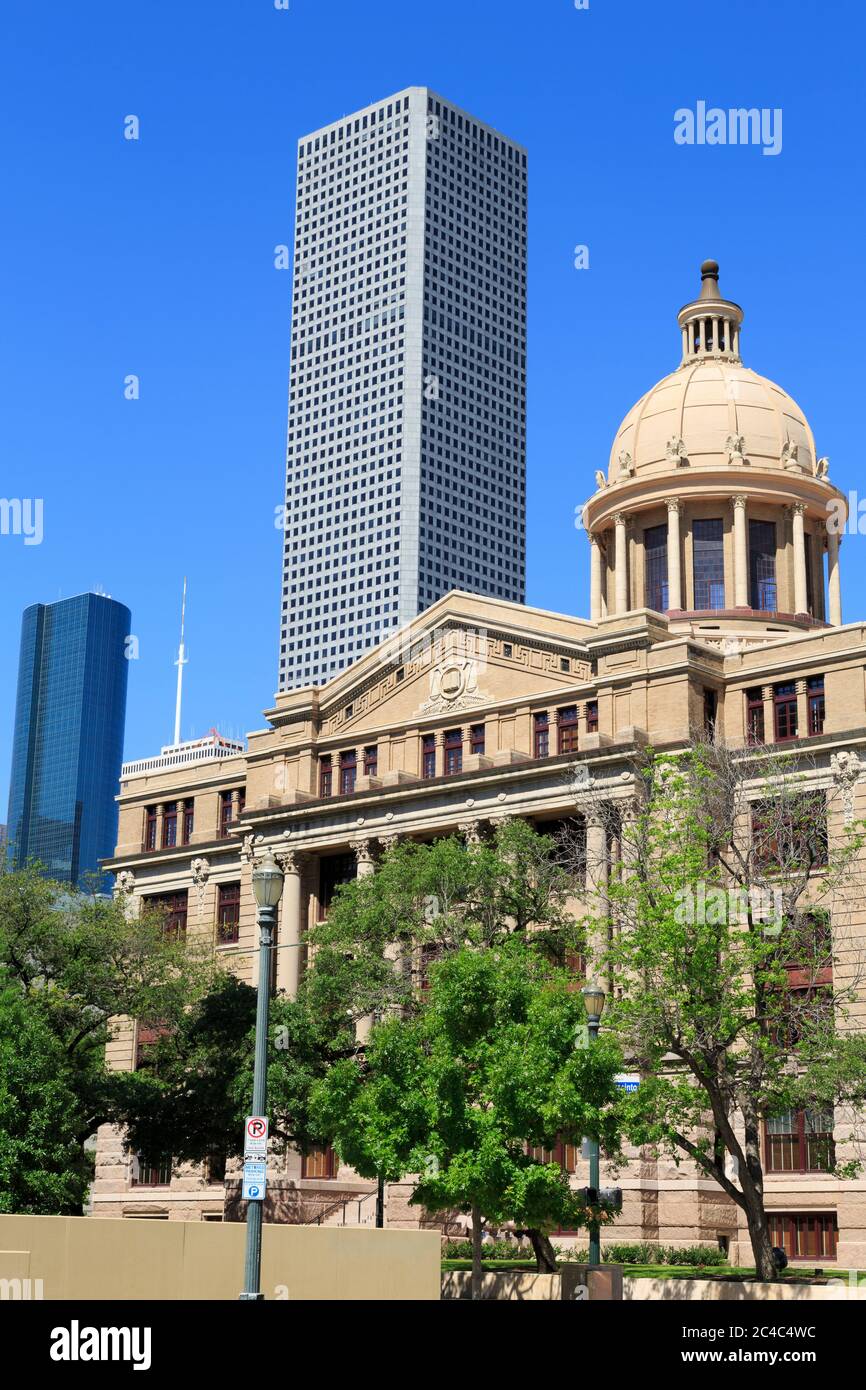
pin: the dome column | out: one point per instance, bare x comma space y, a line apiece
675, 583
595, 577
801, 601
834, 585
741, 553
620, 570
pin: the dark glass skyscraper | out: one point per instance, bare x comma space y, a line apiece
68, 743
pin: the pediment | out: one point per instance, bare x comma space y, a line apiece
450, 661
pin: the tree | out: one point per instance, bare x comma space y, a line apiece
71, 964
726, 931
495, 1065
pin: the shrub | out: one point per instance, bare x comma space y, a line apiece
698, 1255
641, 1253
491, 1250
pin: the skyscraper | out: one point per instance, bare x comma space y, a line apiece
68, 741
406, 452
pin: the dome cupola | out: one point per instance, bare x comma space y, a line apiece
714, 507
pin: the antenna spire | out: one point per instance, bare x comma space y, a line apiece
180, 663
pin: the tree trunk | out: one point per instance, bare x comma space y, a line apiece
759, 1235
545, 1256
477, 1273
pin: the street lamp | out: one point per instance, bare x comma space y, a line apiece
267, 890
593, 999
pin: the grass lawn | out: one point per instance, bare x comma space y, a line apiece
665, 1271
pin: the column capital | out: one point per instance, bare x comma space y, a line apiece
470, 830
390, 841
621, 518
362, 851
798, 508
739, 500
291, 861
673, 504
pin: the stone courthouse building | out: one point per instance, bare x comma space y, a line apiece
715, 603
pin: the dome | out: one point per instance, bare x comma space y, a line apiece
712, 413
712, 410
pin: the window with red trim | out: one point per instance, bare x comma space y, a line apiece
592, 717
815, 694
169, 825
800, 1141
325, 775
476, 738
371, 760
228, 912
567, 729
172, 908
188, 820
754, 715
453, 751
805, 1235
348, 770
428, 755
785, 711
541, 734
150, 828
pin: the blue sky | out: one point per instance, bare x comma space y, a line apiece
155, 257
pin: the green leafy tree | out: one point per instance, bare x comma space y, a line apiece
735, 989
495, 1064
71, 965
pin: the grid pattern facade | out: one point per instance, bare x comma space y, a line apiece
407, 399
68, 741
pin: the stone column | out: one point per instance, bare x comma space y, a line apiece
741, 553
801, 600
596, 884
364, 856
621, 563
675, 583
366, 866
595, 577
291, 926
833, 580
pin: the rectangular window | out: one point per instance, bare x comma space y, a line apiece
228, 912
320, 1162
147, 1035
711, 706
169, 825
334, 870
188, 820
325, 775
151, 1171
655, 540
428, 755
754, 715
566, 725
371, 761
225, 814
800, 1141
592, 716
815, 693
709, 563
453, 751
348, 769
150, 828
476, 738
785, 711
762, 565
566, 1156
172, 908
541, 734
790, 835
805, 1235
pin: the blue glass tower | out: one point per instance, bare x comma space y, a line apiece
68, 742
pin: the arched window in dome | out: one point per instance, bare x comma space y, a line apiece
709, 563
655, 543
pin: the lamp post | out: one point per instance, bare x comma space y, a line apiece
593, 999
267, 890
